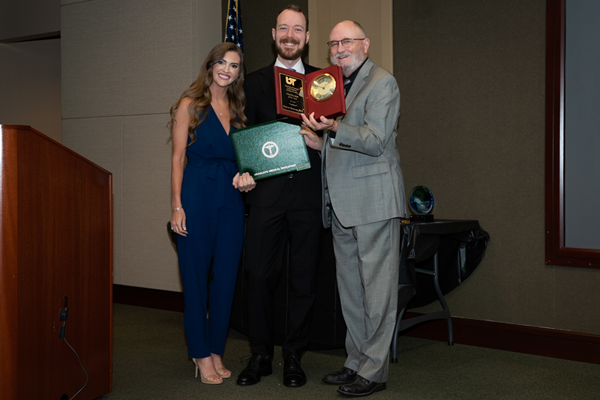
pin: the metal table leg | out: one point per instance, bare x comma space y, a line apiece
402, 325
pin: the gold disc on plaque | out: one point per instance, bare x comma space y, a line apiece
322, 87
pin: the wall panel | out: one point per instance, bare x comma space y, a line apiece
156, 55
124, 64
91, 59
146, 204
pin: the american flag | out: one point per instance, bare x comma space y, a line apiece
234, 24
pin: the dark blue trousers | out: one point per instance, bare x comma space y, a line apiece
219, 238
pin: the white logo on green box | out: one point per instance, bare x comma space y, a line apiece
270, 149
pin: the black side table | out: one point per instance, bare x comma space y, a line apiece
443, 253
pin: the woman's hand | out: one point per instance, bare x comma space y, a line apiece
178, 222
244, 182
311, 139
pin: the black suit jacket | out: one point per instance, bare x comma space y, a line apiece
259, 87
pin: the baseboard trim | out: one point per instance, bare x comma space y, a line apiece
547, 342
532, 340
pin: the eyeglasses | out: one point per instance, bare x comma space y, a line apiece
344, 42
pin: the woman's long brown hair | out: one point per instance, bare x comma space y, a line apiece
199, 92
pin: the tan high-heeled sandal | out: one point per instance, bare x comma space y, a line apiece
225, 373
203, 379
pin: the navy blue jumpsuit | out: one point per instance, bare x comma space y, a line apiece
214, 212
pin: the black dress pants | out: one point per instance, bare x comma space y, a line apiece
267, 233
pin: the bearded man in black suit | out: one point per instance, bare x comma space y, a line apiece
283, 209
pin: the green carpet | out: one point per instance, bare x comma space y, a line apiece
150, 362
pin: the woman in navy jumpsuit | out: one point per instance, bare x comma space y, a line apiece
208, 211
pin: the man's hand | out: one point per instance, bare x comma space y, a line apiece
322, 124
311, 139
243, 183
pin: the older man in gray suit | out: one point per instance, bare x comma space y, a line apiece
363, 200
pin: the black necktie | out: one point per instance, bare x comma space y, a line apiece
347, 83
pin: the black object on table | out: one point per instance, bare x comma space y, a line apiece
447, 251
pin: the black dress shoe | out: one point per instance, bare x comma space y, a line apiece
361, 387
344, 375
293, 375
258, 366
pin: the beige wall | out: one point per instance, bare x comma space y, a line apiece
472, 128
123, 65
30, 86
374, 16
30, 71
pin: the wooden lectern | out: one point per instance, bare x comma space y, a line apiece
56, 243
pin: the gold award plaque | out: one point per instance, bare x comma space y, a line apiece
322, 87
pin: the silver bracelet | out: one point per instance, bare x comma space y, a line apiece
177, 209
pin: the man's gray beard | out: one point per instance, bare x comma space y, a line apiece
334, 62
349, 68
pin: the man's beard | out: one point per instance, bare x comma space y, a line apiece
350, 66
289, 54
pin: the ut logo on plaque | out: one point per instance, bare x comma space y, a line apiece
289, 80
270, 149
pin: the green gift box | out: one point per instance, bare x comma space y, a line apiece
269, 149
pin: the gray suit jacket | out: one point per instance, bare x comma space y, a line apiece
361, 173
